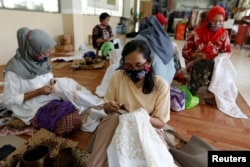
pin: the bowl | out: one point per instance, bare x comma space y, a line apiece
36, 156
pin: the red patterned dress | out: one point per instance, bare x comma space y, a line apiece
195, 44
202, 46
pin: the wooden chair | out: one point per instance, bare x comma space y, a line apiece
90, 39
241, 35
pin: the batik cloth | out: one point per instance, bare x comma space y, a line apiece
136, 143
224, 88
201, 75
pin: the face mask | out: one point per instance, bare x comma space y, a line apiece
215, 27
40, 58
136, 75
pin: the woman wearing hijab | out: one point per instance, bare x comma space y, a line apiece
207, 55
162, 51
203, 45
30, 90
159, 43
134, 93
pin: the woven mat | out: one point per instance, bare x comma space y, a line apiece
81, 64
12, 140
60, 65
45, 137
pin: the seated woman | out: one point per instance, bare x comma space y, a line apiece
102, 35
202, 46
162, 51
162, 46
207, 55
130, 88
30, 91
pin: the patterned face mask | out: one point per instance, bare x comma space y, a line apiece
215, 27
137, 75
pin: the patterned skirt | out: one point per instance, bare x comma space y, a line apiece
201, 75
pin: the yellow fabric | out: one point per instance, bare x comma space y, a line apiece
121, 89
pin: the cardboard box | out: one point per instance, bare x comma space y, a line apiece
64, 48
66, 39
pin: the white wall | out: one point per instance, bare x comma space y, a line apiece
56, 24
12, 20
71, 6
127, 5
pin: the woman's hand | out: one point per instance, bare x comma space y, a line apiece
101, 40
156, 122
107, 40
198, 56
111, 107
47, 89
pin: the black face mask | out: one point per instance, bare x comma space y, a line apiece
40, 58
136, 75
43, 60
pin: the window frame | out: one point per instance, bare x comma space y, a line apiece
31, 10
96, 11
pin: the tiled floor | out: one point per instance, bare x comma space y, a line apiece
241, 62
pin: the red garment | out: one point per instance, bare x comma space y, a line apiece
208, 37
204, 40
193, 45
161, 18
214, 11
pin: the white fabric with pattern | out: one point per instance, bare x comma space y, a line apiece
224, 88
136, 143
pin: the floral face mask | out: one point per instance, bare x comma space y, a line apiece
215, 27
137, 75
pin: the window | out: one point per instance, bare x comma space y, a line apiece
36, 5
96, 7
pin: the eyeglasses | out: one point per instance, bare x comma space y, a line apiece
137, 66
